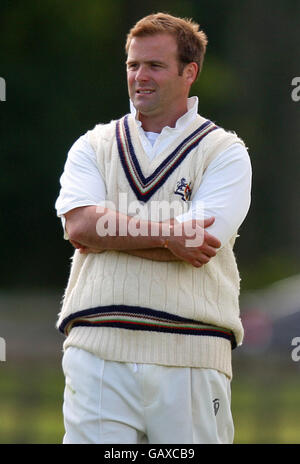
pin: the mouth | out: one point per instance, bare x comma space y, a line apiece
144, 91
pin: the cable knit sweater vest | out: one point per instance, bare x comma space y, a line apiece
129, 309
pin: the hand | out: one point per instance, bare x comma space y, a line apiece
192, 243
83, 249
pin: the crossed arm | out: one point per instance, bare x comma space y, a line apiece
172, 241
225, 191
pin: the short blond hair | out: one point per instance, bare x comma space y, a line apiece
191, 41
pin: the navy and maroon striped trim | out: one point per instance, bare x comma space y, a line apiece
139, 318
145, 187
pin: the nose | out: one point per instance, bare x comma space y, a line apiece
141, 74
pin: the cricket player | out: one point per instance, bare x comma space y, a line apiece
152, 203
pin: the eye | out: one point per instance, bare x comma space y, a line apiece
131, 66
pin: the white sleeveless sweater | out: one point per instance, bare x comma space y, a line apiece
129, 309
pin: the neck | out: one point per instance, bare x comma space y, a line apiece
152, 123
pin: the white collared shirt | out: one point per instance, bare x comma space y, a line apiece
154, 143
225, 189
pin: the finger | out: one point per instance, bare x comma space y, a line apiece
203, 258
209, 251
75, 244
208, 222
211, 240
86, 251
200, 260
197, 264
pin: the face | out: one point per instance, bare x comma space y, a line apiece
155, 86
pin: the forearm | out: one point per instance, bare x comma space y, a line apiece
154, 254
93, 230
105, 229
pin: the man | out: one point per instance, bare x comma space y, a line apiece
152, 203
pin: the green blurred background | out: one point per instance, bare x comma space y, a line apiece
63, 63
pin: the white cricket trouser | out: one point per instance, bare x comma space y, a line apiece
111, 402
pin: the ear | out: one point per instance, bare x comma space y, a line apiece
191, 72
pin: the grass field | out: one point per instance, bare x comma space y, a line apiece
30, 404
265, 403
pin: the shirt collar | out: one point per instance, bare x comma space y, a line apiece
182, 122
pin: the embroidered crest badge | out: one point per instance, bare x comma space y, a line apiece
183, 189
